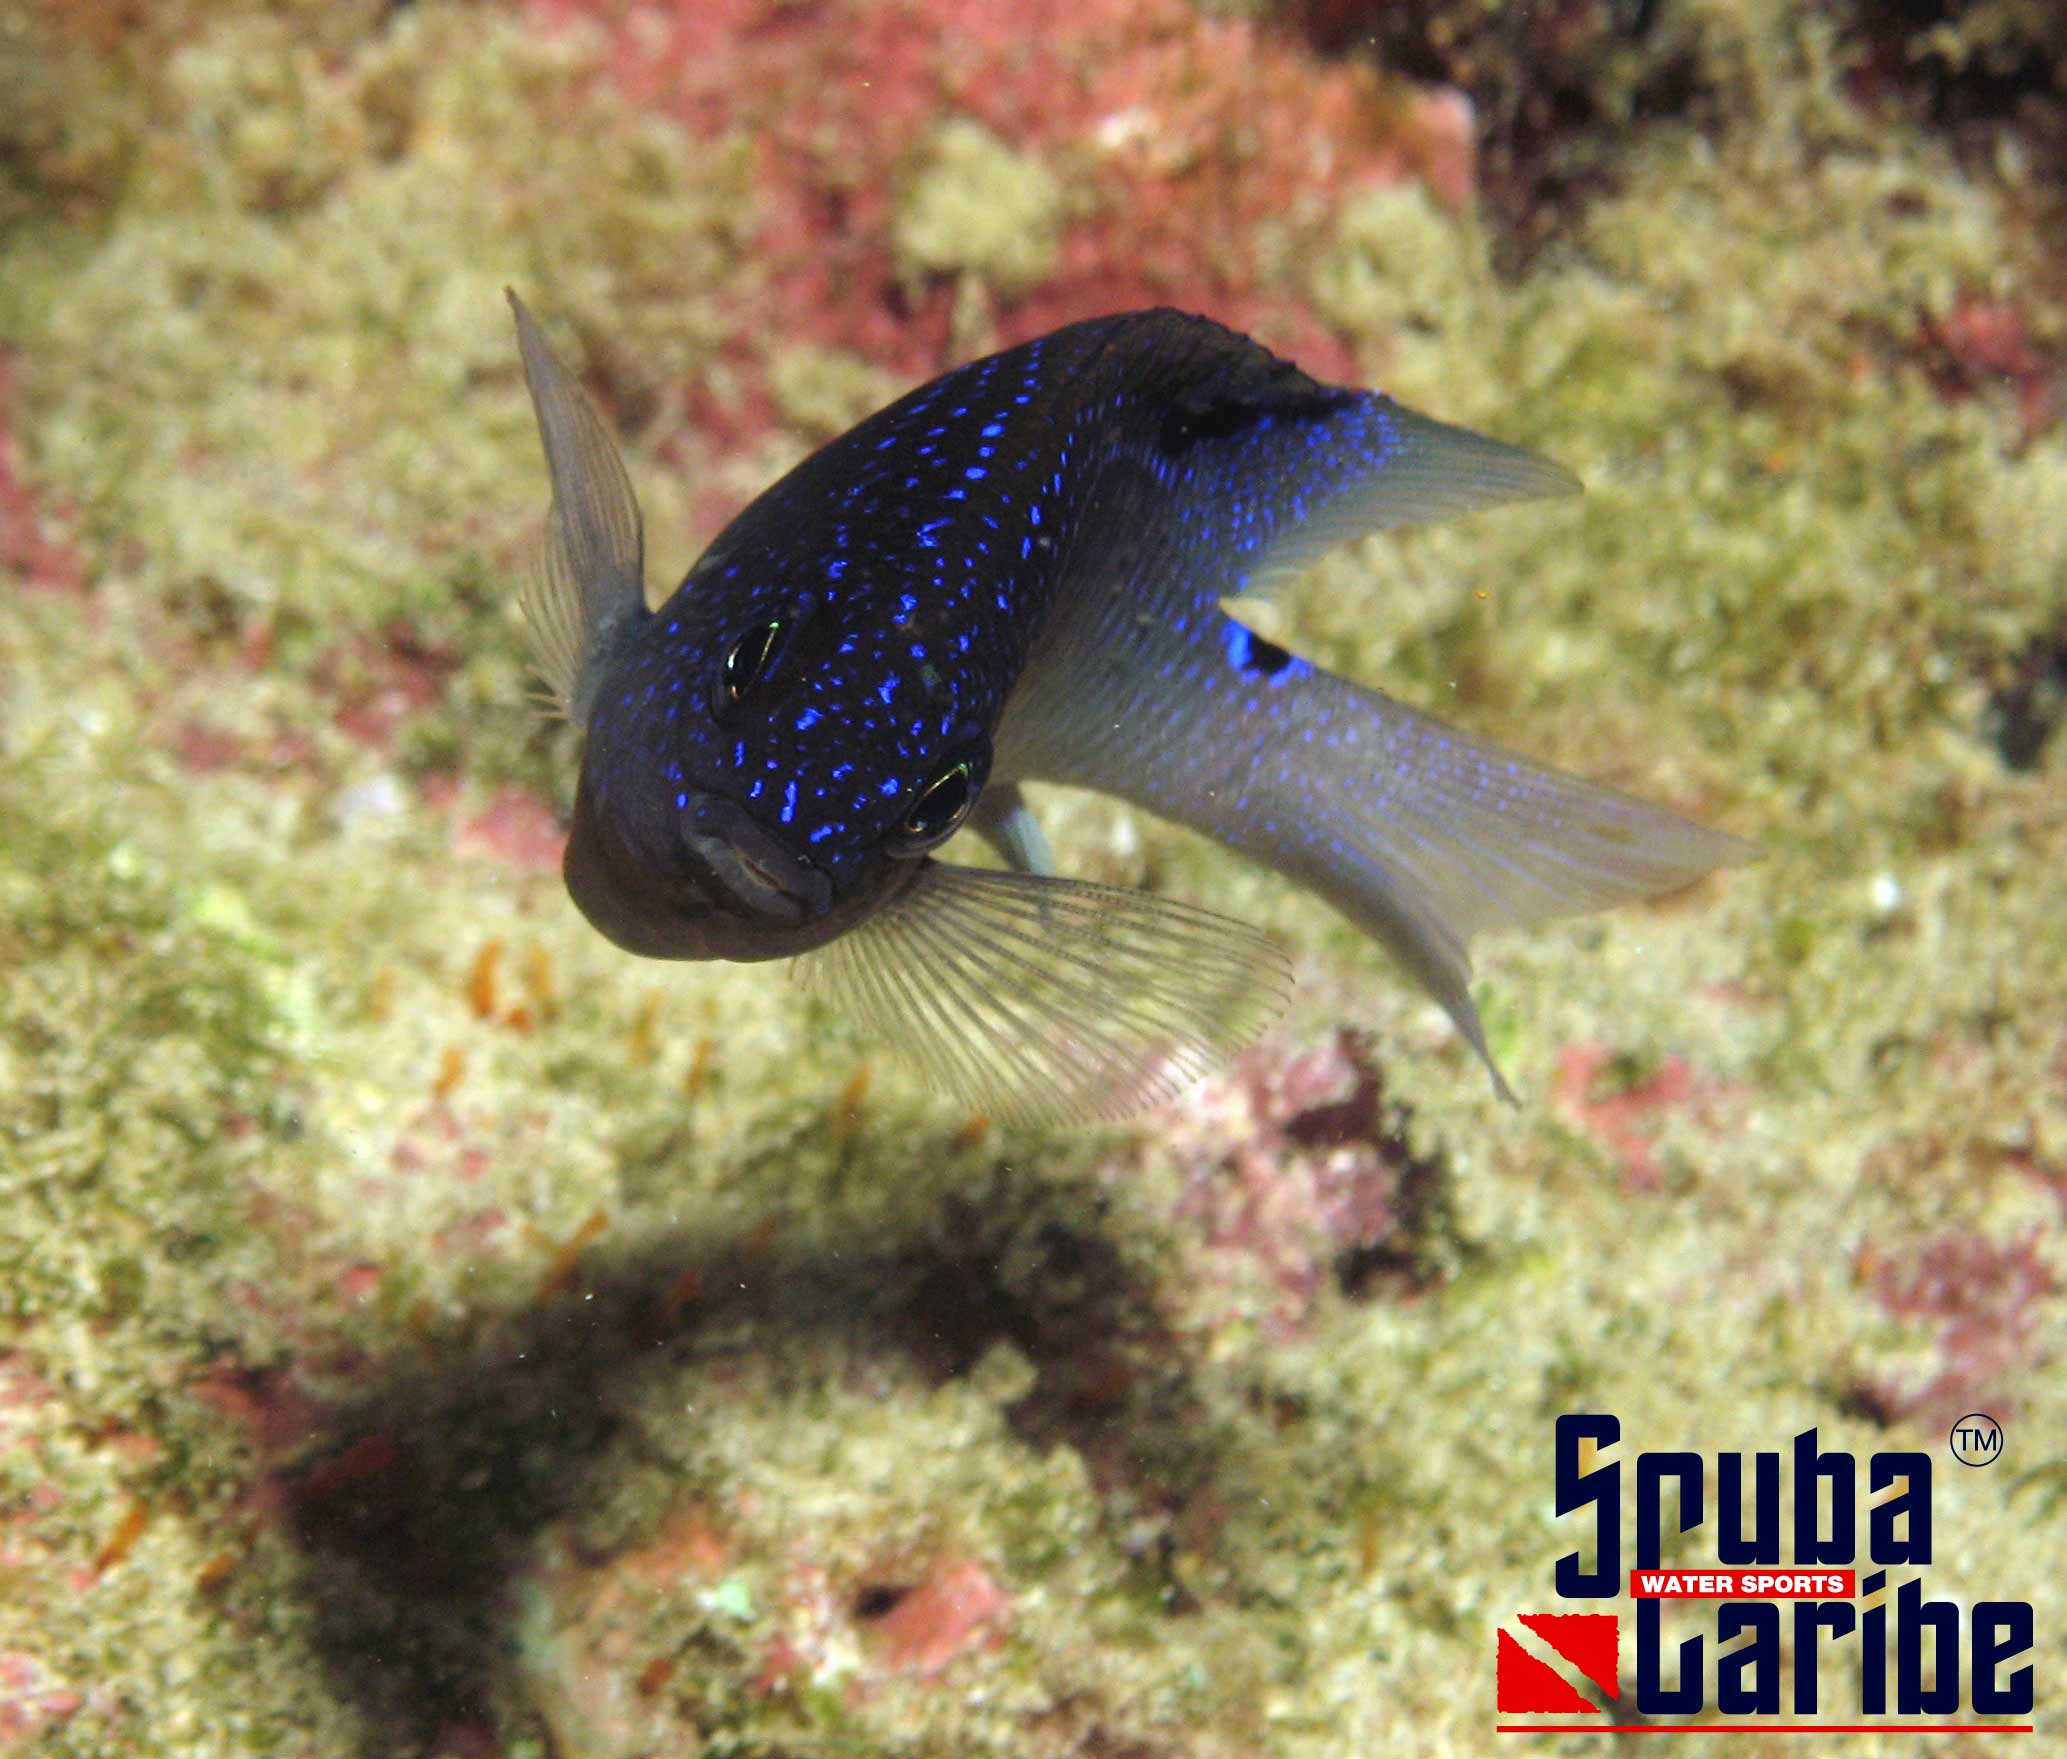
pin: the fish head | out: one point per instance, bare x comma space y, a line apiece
758, 779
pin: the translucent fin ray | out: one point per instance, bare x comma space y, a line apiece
1502, 842
587, 580
1421, 834
1051, 1000
1432, 472
1463, 836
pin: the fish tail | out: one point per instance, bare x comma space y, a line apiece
1425, 835
1421, 834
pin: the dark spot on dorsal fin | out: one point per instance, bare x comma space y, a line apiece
1190, 421
1222, 384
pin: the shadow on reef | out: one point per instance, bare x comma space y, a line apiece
2027, 707
417, 1510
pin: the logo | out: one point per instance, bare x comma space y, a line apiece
1796, 1599
1590, 1641
1977, 1439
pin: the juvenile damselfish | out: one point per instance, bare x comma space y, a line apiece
1014, 573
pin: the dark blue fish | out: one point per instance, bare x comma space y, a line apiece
1015, 573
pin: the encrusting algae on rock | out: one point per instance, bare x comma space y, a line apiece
399, 1352
1014, 574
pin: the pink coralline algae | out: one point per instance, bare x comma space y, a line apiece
30, 1702
269, 1405
513, 827
959, 1607
1987, 1301
1621, 1120
23, 1393
379, 682
1980, 340
1203, 155
33, 544
1316, 1178
26, 1421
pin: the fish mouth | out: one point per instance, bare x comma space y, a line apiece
736, 865
705, 882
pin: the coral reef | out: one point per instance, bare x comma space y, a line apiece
423, 1329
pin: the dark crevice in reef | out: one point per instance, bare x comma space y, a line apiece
2026, 708
1563, 88
1560, 89
1425, 1246
1963, 67
1991, 78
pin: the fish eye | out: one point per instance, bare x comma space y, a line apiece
749, 660
938, 813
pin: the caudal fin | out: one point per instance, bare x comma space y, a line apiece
1422, 835
1434, 836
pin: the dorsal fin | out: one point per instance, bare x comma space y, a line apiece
1433, 472
1284, 468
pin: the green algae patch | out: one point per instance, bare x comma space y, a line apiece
975, 206
273, 363
422, 1327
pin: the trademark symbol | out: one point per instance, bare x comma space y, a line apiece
1977, 1440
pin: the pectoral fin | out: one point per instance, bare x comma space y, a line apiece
588, 580
1048, 999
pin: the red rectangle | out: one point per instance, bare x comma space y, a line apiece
1768, 1584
